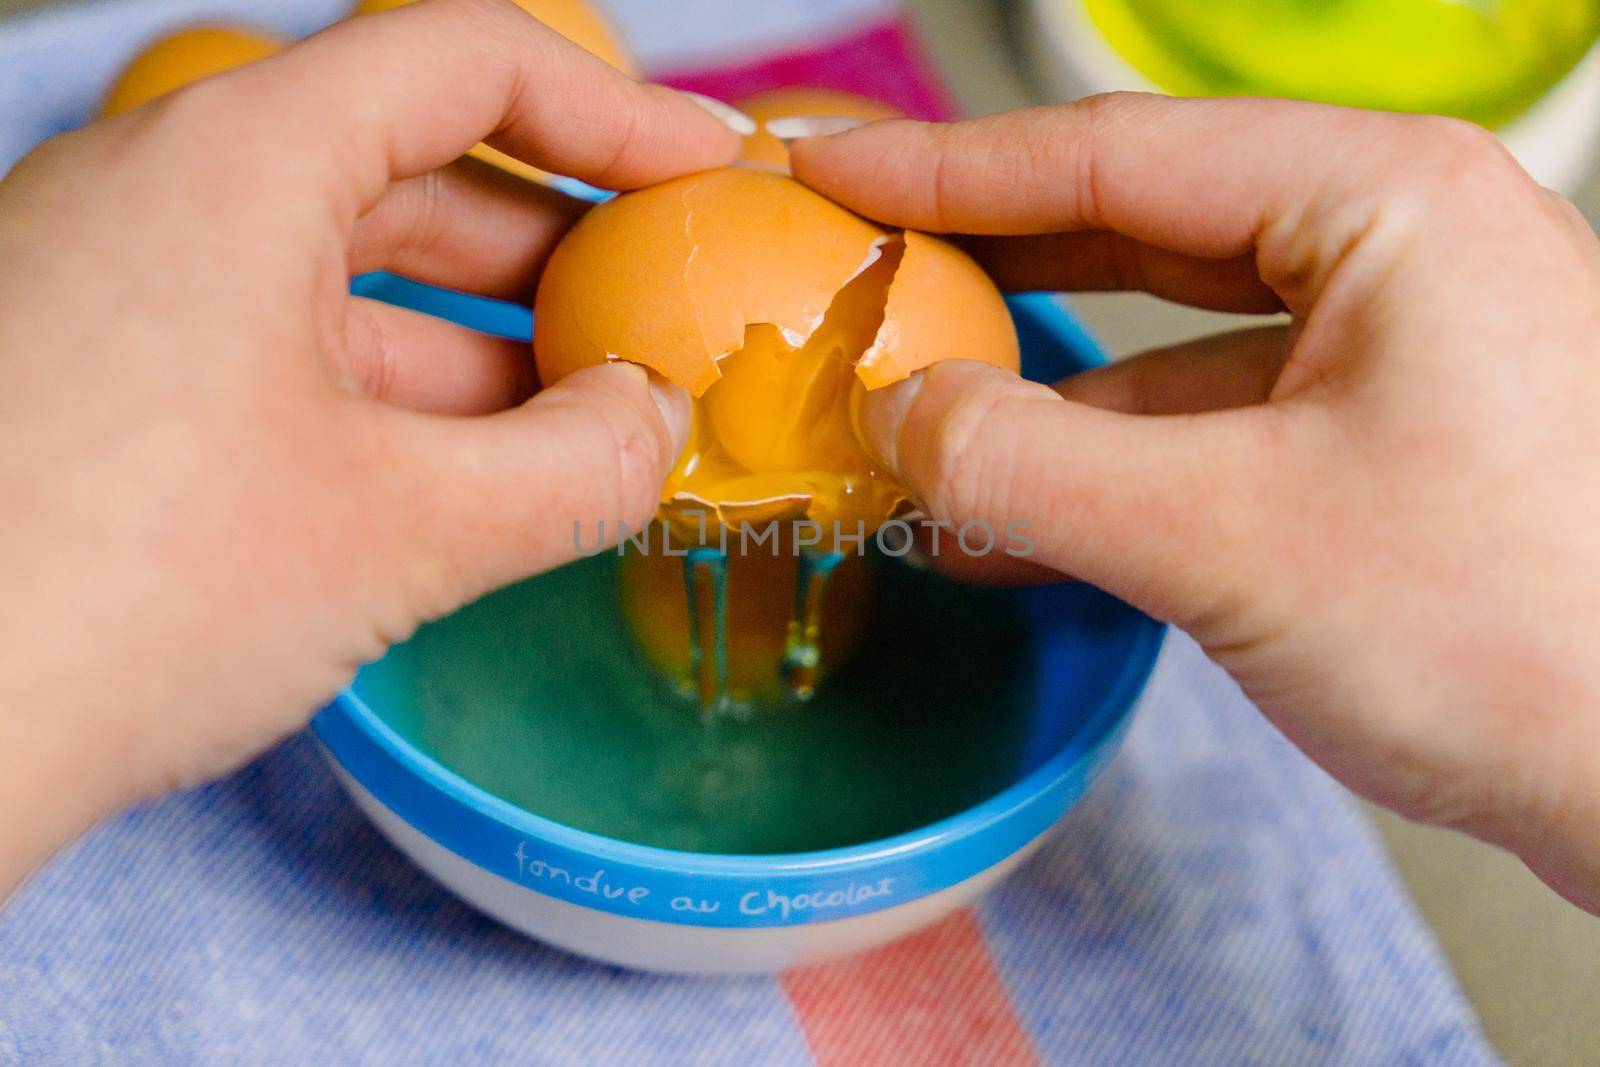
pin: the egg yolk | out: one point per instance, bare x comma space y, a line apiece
772, 438
772, 445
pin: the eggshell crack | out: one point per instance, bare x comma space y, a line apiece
931, 271
669, 277
750, 279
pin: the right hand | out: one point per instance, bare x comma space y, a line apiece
1382, 518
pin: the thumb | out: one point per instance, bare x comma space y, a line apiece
507, 496
1160, 510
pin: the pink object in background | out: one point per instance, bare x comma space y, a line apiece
884, 62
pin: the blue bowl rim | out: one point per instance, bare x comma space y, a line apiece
927, 859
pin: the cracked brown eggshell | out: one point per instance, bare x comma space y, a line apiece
669, 277
765, 150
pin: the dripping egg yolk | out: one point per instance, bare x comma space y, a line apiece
775, 308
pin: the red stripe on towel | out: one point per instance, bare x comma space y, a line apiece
933, 999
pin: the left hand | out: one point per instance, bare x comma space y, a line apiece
227, 483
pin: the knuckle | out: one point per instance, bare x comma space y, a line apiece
424, 215
1458, 136
1458, 150
1098, 112
626, 147
1098, 117
1104, 104
377, 365
56, 154
406, 218
940, 188
54, 176
493, 20
633, 453
496, 9
638, 475
1450, 173
482, 13
209, 119
973, 459
1566, 211
1095, 113
192, 111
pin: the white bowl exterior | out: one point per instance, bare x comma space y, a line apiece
1557, 140
648, 945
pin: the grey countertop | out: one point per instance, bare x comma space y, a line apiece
1529, 961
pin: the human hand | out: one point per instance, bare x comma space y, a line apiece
1383, 518
227, 483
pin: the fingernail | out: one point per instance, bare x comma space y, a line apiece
882, 415
798, 126
729, 116
674, 404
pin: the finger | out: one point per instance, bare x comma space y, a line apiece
1225, 370
424, 363
468, 226
1188, 175
390, 96
1160, 511
1205, 178
1100, 261
515, 494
